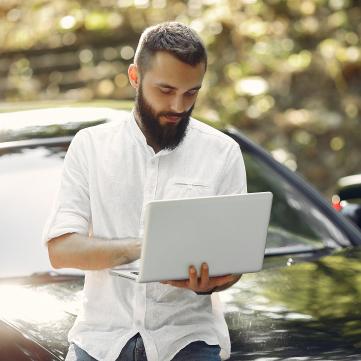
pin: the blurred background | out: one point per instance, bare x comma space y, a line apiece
285, 72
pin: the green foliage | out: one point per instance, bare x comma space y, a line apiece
286, 72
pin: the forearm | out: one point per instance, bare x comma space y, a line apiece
74, 250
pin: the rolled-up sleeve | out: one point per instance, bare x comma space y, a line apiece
71, 208
233, 178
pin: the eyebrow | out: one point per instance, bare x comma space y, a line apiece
164, 85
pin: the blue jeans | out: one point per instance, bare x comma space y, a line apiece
134, 351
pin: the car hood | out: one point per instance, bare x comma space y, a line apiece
309, 309
43, 310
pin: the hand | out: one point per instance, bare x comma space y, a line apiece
137, 248
204, 283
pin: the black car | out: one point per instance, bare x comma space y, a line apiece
304, 305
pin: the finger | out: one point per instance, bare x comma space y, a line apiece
230, 277
204, 276
225, 278
222, 280
193, 282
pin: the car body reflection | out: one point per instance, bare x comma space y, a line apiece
304, 304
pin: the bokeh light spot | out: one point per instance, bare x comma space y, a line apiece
127, 52
86, 56
121, 80
105, 88
67, 22
251, 86
337, 143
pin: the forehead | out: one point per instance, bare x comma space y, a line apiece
166, 68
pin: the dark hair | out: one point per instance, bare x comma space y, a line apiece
173, 37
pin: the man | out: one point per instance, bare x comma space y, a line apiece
110, 172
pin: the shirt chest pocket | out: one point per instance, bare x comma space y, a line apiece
187, 188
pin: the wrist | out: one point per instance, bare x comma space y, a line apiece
124, 251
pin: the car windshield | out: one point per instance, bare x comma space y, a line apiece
29, 178
296, 223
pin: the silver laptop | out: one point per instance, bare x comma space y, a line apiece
228, 232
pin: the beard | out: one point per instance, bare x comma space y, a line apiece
167, 136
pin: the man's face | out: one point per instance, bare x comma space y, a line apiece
166, 97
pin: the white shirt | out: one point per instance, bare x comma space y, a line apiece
109, 174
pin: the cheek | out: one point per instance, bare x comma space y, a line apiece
158, 102
189, 102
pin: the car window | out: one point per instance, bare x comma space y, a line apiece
295, 220
29, 179
52, 122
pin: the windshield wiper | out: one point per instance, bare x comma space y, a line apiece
55, 274
40, 277
296, 249
45, 273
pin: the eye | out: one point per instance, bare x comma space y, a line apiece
165, 91
192, 92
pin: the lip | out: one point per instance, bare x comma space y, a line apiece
171, 119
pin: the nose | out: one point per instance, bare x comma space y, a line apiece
177, 105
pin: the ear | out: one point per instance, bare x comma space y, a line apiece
133, 75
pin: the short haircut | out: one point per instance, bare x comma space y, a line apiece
173, 37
